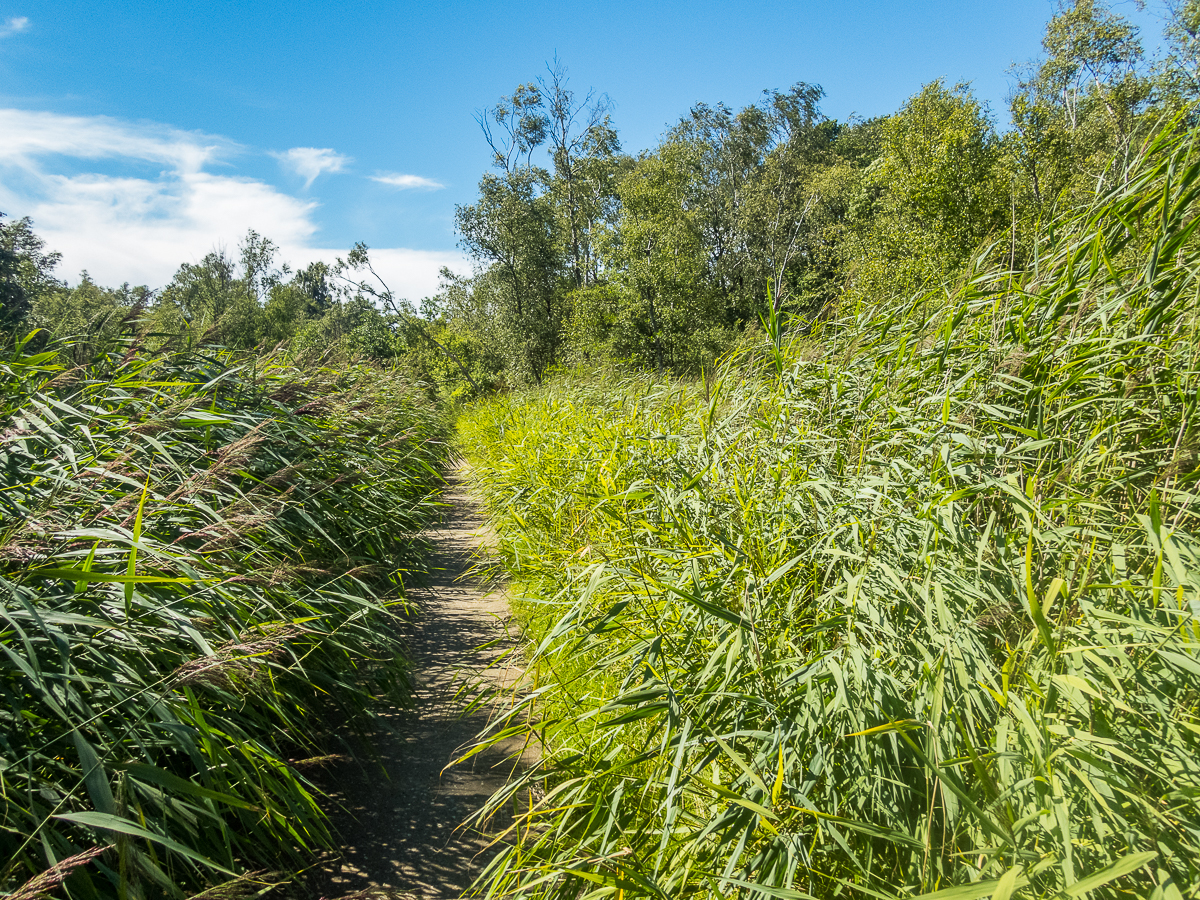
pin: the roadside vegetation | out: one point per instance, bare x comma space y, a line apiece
899, 597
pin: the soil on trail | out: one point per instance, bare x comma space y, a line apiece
400, 817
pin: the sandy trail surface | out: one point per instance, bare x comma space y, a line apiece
400, 816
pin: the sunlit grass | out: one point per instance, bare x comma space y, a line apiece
919, 613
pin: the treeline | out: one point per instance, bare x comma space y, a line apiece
665, 259
241, 302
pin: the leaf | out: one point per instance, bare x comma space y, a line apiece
95, 778
977, 890
72, 573
777, 787
888, 727
163, 778
1122, 866
770, 890
1035, 606
131, 566
116, 824
1007, 883
1074, 681
783, 569
711, 608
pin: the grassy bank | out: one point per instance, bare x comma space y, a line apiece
906, 604
202, 559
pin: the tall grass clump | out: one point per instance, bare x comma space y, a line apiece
915, 613
201, 570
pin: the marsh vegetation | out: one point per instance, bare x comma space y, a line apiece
845, 473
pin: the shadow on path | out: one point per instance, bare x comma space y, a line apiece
399, 817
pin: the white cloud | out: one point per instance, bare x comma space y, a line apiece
411, 274
29, 136
309, 162
407, 181
140, 227
14, 25
140, 230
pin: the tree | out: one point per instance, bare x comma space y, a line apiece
581, 139
934, 196
290, 305
1080, 105
1179, 73
729, 207
198, 296
533, 230
754, 203
459, 321
1092, 61
14, 302
939, 160
226, 301
666, 302
790, 143
26, 271
352, 272
515, 127
314, 282
512, 230
257, 254
93, 318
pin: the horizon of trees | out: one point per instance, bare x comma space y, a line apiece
664, 259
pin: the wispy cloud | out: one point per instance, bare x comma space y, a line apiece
140, 227
31, 135
309, 162
397, 180
14, 25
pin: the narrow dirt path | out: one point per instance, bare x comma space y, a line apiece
400, 819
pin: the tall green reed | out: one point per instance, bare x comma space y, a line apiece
202, 560
919, 617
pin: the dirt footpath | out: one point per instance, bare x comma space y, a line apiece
400, 819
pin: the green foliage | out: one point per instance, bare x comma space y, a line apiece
1080, 106
94, 318
26, 271
585, 153
936, 191
532, 232
678, 248
660, 253
512, 228
198, 297
1179, 74
321, 310
202, 563
916, 615
939, 162
455, 341
725, 209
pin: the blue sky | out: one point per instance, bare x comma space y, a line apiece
142, 135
